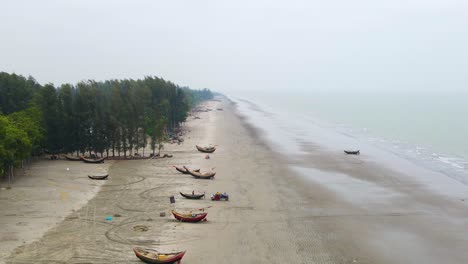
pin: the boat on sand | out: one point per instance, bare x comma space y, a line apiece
189, 217
150, 256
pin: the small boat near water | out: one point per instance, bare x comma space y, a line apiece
86, 160
150, 256
352, 152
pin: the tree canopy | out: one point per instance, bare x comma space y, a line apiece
113, 117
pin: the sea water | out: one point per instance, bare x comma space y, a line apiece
429, 129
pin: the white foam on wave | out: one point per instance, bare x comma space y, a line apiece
456, 163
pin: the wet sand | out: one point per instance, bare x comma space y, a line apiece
349, 210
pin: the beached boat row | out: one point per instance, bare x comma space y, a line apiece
199, 215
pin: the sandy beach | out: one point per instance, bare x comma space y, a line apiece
350, 210
41, 196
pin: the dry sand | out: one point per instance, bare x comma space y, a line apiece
349, 211
41, 196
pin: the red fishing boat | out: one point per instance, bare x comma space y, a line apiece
189, 217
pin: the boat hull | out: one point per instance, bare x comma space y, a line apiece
98, 177
206, 150
71, 158
176, 258
181, 170
94, 161
199, 175
192, 196
184, 170
182, 218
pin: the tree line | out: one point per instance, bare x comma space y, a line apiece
113, 118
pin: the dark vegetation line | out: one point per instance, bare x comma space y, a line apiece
109, 118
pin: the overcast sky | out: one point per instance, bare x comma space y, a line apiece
242, 44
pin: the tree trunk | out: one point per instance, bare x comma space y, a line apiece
10, 178
137, 141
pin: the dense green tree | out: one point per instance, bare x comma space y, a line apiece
14, 145
48, 101
30, 121
15, 92
113, 117
66, 105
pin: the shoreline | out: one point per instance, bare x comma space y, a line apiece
387, 213
321, 208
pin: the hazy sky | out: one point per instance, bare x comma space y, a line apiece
242, 44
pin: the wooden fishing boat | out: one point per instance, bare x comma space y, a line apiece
183, 169
98, 177
206, 149
72, 158
192, 196
101, 160
352, 152
189, 217
199, 175
149, 256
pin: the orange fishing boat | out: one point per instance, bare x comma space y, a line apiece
149, 256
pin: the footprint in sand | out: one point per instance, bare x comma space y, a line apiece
141, 228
